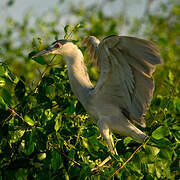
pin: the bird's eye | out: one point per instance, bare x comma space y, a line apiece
58, 45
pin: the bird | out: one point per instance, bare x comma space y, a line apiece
119, 100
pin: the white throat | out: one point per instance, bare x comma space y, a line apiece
78, 76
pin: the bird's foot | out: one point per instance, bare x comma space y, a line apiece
101, 164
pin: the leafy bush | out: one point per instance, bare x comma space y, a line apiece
45, 132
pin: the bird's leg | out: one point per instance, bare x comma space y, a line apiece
112, 142
107, 135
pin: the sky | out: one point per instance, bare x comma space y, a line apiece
39, 7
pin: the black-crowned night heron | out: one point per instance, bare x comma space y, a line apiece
125, 86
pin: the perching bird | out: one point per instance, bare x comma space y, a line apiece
125, 86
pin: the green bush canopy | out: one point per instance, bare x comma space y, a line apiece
44, 131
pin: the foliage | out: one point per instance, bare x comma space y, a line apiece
45, 132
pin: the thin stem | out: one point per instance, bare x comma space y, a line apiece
172, 93
9, 117
127, 160
15, 113
62, 153
43, 74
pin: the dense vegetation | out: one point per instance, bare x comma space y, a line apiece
44, 131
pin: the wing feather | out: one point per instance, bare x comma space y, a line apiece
92, 43
126, 68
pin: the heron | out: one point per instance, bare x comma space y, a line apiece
119, 100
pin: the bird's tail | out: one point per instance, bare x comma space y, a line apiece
137, 134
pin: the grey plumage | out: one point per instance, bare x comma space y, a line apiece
125, 86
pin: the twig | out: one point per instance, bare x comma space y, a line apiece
43, 74
70, 158
58, 149
70, 34
172, 93
13, 112
8, 116
127, 160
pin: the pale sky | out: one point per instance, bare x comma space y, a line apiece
38, 7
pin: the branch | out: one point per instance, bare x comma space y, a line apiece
127, 160
62, 153
43, 74
13, 112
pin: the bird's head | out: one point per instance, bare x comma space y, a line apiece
61, 47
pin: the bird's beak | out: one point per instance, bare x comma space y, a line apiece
44, 52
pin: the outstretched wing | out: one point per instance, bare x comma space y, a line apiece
92, 44
126, 67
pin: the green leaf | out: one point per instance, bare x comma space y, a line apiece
3, 105
151, 168
55, 160
127, 140
47, 80
36, 43
71, 154
66, 175
2, 68
85, 143
21, 174
39, 59
66, 28
57, 124
5, 72
41, 156
20, 90
166, 153
171, 76
2, 82
151, 152
176, 127
29, 120
60, 140
177, 135
160, 132
163, 142
178, 104
7, 96
29, 147
78, 26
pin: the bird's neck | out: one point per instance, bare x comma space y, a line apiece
78, 75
